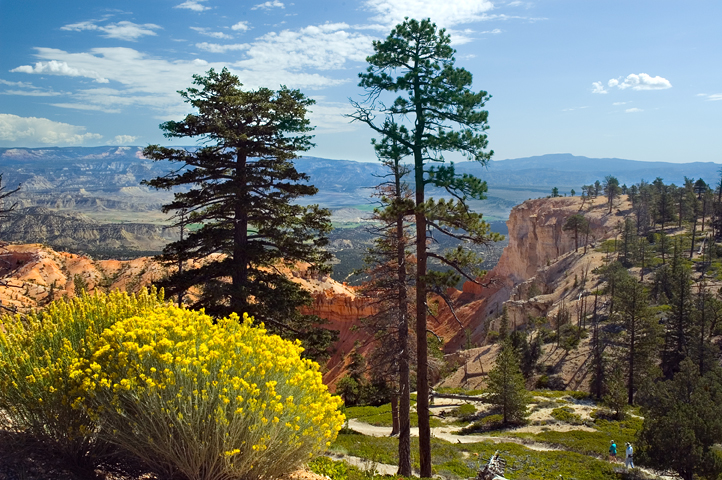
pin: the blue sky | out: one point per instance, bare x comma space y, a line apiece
639, 79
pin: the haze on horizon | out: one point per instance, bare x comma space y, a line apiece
614, 79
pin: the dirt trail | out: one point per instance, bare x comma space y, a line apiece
444, 433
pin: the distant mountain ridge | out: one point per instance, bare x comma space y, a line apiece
126, 166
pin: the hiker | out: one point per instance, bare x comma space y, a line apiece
628, 462
613, 452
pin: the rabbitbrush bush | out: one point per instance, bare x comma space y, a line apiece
202, 400
36, 354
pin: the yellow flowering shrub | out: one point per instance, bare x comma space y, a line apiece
203, 400
37, 352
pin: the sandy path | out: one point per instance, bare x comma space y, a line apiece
444, 433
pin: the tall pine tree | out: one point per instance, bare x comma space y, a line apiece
389, 285
238, 197
416, 62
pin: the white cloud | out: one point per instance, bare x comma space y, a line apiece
633, 110
641, 81
323, 47
30, 90
241, 26
122, 30
204, 31
34, 130
123, 139
31, 93
54, 67
328, 117
194, 5
84, 106
268, 5
598, 87
620, 103
574, 108
496, 31
297, 58
711, 97
216, 48
445, 13
16, 84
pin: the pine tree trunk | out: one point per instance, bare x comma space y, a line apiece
394, 414
422, 382
404, 410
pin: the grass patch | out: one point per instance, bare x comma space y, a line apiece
381, 416
549, 393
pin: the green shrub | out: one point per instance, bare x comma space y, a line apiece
333, 469
464, 411
486, 424
579, 395
36, 356
205, 400
567, 415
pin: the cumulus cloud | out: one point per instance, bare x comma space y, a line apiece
33, 131
207, 33
634, 81
323, 47
241, 26
194, 5
633, 110
122, 30
444, 12
216, 48
640, 81
123, 139
598, 87
297, 58
268, 5
54, 67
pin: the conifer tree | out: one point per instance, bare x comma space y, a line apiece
640, 337
611, 189
682, 424
679, 320
506, 386
389, 286
443, 114
240, 189
576, 223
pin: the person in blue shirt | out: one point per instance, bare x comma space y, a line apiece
613, 452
